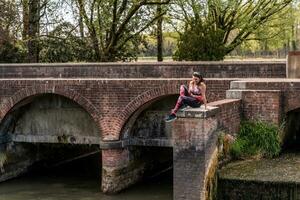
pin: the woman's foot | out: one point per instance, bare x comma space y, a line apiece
170, 118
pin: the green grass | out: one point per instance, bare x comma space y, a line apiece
256, 139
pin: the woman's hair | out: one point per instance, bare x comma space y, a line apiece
198, 75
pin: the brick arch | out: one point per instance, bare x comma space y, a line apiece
10, 102
292, 101
139, 103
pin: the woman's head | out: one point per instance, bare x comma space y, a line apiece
197, 78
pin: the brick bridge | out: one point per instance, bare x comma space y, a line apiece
120, 108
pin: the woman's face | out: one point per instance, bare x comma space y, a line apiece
196, 79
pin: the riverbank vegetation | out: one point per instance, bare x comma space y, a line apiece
255, 140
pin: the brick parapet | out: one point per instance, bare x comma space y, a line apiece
230, 114
225, 69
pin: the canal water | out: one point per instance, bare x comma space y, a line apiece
51, 187
77, 181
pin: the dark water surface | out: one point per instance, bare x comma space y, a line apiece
80, 179
51, 187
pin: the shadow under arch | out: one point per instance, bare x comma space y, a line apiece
50, 118
150, 142
130, 113
24, 96
47, 128
147, 122
291, 137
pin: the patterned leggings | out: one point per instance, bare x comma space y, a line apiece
185, 99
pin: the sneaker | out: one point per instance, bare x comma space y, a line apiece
184, 107
170, 118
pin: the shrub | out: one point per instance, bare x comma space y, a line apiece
12, 53
256, 139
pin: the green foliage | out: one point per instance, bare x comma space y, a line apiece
115, 27
62, 45
256, 139
148, 45
201, 42
11, 53
277, 36
214, 28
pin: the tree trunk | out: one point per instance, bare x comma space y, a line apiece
159, 35
33, 31
25, 20
294, 46
81, 29
95, 44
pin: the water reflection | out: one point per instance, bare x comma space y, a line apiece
50, 187
79, 180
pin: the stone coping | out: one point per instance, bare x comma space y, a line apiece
114, 79
199, 112
170, 63
265, 80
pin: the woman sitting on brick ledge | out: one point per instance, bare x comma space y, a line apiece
193, 96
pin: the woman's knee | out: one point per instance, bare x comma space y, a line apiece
183, 87
183, 90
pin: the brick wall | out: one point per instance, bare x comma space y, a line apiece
141, 70
120, 169
110, 102
290, 90
229, 115
195, 139
265, 105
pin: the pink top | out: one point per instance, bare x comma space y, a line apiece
196, 91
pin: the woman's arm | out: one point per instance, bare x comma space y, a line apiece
203, 92
191, 85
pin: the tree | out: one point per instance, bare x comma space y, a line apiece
33, 11
114, 26
214, 28
62, 45
159, 35
10, 50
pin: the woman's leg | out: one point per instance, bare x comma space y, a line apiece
180, 102
182, 93
192, 102
186, 100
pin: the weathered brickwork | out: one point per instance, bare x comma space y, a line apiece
230, 114
145, 70
266, 99
195, 140
290, 89
121, 168
109, 102
265, 105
